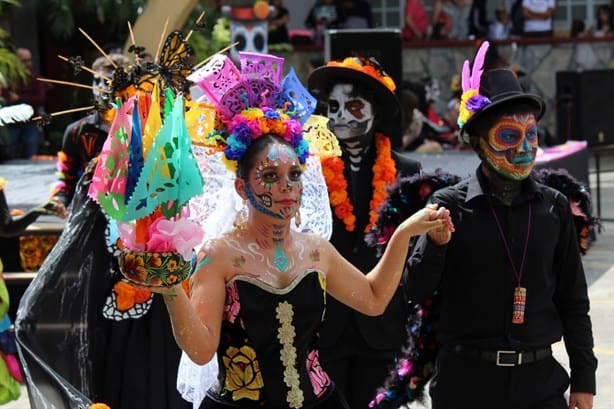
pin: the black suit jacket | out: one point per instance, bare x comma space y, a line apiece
386, 331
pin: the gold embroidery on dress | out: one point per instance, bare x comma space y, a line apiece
322, 278
243, 377
286, 336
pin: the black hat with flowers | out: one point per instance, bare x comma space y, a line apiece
485, 91
368, 73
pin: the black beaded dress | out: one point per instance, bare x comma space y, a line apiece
272, 362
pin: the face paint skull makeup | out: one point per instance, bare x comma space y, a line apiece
275, 187
350, 116
100, 84
511, 146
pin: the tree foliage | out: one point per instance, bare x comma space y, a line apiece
63, 17
11, 68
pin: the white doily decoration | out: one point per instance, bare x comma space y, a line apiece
194, 380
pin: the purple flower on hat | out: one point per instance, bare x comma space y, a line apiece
477, 103
471, 100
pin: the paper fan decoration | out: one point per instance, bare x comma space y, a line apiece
322, 141
170, 175
145, 177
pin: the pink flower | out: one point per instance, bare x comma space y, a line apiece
575, 209
386, 234
319, 379
180, 236
128, 236
425, 191
378, 399
404, 367
232, 306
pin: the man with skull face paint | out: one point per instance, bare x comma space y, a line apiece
510, 279
83, 139
363, 110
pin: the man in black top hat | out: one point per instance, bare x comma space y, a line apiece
357, 351
510, 279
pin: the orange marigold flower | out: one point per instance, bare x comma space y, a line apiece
99, 406
171, 265
155, 260
384, 175
337, 197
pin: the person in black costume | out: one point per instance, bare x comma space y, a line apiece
77, 344
9, 367
278, 24
510, 280
363, 113
83, 139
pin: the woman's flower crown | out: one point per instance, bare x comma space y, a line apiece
471, 100
366, 66
252, 102
252, 123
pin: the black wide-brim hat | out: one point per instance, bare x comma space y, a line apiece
368, 74
501, 87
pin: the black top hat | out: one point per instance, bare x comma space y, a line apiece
366, 72
501, 87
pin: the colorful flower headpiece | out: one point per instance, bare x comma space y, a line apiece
471, 100
251, 124
367, 66
252, 102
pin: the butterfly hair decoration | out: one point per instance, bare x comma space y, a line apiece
171, 69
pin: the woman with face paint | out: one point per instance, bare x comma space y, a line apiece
363, 113
510, 280
261, 288
259, 293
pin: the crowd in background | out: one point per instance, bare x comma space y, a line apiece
440, 20
453, 19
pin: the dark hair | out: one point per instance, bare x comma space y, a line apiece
409, 102
577, 28
608, 9
248, 161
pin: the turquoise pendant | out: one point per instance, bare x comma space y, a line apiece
280, 260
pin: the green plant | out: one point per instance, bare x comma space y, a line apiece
62, 17
212, 37
11, 68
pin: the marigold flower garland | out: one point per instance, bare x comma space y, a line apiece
363, 65
384, 175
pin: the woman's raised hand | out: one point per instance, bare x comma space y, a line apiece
442, 234
432, 219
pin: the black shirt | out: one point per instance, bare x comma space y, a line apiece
476, 280
83, 140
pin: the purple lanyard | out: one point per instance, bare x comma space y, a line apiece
517, 273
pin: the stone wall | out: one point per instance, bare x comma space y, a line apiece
539, 61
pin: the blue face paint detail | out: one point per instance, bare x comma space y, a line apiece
273, 154
258, 206
280, 259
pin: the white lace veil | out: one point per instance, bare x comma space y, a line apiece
216, 210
